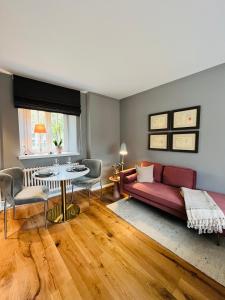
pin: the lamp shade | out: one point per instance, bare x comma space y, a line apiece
39, 128
123, 149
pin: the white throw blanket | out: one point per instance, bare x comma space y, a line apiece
203, 213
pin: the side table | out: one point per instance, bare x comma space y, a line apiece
116, 188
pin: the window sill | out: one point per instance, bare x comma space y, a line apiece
46, 155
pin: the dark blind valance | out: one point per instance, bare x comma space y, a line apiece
37, 95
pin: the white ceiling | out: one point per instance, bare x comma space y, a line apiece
116, 48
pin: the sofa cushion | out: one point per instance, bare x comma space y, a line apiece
160, 193
158, 169
179, 177
219, 199
145, 174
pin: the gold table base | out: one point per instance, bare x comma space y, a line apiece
64, 211
55, 214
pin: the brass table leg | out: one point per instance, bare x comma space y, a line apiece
64, 211
63, 198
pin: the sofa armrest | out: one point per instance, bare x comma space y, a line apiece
127, 176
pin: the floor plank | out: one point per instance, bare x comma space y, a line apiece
95, 256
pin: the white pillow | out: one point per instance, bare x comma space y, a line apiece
145, 174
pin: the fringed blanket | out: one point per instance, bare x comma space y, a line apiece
203, 213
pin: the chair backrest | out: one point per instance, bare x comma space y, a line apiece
17, 179
6, 187
95, 166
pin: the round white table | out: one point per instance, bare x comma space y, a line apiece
64, 211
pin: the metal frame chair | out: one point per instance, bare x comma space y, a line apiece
93, 177
13, 193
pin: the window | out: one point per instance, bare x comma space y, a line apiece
57, 126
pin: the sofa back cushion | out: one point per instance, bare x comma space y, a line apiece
157, 172
178, 177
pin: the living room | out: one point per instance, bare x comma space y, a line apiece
111, 150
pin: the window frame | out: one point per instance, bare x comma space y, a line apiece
25, 136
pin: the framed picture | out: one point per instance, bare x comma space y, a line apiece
158, 141
186, 118
159, 121
186, 141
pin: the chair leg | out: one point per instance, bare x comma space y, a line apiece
72, 195
5, 220
14, 211
101, 189
218, 239
45, 212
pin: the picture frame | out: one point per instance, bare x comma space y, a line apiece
158, 141
186, 118
159, 121
185, 141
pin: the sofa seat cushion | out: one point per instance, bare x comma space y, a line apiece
160, 193
219, 199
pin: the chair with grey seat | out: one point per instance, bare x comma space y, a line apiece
93, 177
14, 193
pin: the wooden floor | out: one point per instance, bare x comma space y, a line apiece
95, 256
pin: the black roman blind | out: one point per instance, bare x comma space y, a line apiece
37, 95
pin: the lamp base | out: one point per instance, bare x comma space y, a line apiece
122, 163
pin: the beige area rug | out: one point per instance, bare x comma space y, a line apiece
199, 250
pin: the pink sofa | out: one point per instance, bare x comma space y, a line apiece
164, 192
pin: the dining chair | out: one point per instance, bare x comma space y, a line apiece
93, 177
14, 193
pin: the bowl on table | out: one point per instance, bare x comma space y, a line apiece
44, 173
77, 168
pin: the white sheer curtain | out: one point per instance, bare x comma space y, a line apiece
30, 142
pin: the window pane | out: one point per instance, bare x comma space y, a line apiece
57, 127
38, 141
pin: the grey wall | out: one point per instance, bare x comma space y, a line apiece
9, 141
103, 130
207, 89
9, 123
101, 115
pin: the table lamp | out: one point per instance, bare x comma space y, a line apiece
123, 151
40, 128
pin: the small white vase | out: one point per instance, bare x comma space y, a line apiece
59, 150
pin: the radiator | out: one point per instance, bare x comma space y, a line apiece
54, 186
